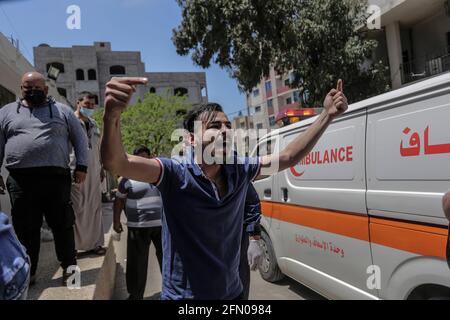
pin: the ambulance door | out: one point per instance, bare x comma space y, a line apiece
408, 171
265, 187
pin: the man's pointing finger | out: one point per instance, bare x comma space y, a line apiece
131, 80
340, 86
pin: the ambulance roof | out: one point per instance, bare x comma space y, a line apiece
416, 88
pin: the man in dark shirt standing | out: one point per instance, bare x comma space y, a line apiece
251, 252
203, 201
36, 134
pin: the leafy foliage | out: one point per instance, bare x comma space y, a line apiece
318, 40
151, 122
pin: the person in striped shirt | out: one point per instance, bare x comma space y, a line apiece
143, 207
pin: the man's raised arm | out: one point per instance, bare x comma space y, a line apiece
335, 104
117, 96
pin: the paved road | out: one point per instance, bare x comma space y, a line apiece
49, 274
287, 289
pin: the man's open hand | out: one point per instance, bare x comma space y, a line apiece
335, 102
119, 92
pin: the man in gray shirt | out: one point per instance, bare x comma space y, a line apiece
36, 135
143, 207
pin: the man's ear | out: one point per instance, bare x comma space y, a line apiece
191, 139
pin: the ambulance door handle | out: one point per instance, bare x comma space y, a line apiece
285, 194
268, 193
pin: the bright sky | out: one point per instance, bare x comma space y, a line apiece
130, 25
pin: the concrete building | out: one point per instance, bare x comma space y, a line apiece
414, 41
272, 97
242, 122
89, 68
192, 84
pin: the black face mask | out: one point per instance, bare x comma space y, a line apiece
36, 97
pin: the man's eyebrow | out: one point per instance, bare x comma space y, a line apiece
214, 122
218, 122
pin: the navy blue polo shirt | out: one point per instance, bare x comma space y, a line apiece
201, 232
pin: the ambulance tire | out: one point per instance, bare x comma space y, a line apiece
269, 269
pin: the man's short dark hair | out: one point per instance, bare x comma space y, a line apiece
141, 149
85, 94
195, 113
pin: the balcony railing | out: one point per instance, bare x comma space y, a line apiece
420, 69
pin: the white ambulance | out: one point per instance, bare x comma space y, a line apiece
361, 216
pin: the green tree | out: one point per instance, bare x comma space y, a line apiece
151, 122
319, 40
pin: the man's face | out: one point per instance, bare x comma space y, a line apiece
86, 103
216, 134
32, 83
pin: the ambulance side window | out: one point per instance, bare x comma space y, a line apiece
266, 148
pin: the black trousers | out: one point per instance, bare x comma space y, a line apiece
138, 246
244, 268
34, 196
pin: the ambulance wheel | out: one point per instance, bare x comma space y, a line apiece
269, 269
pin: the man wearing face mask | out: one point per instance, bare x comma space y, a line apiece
35, 137
87, 198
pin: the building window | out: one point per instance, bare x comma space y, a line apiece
257, 109
181, 92
80, 74
117, 70
272, 121
92, 74
56, 65
269, 86
62, 92
289, 101
6, 96
256, 92
287, 82
297, 96
270, 103
152, 90
259, 126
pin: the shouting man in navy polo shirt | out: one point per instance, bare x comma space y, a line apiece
203, 201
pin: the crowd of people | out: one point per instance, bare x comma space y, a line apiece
52, 155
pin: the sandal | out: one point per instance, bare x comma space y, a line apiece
100, 251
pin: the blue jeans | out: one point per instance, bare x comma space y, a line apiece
15, 264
